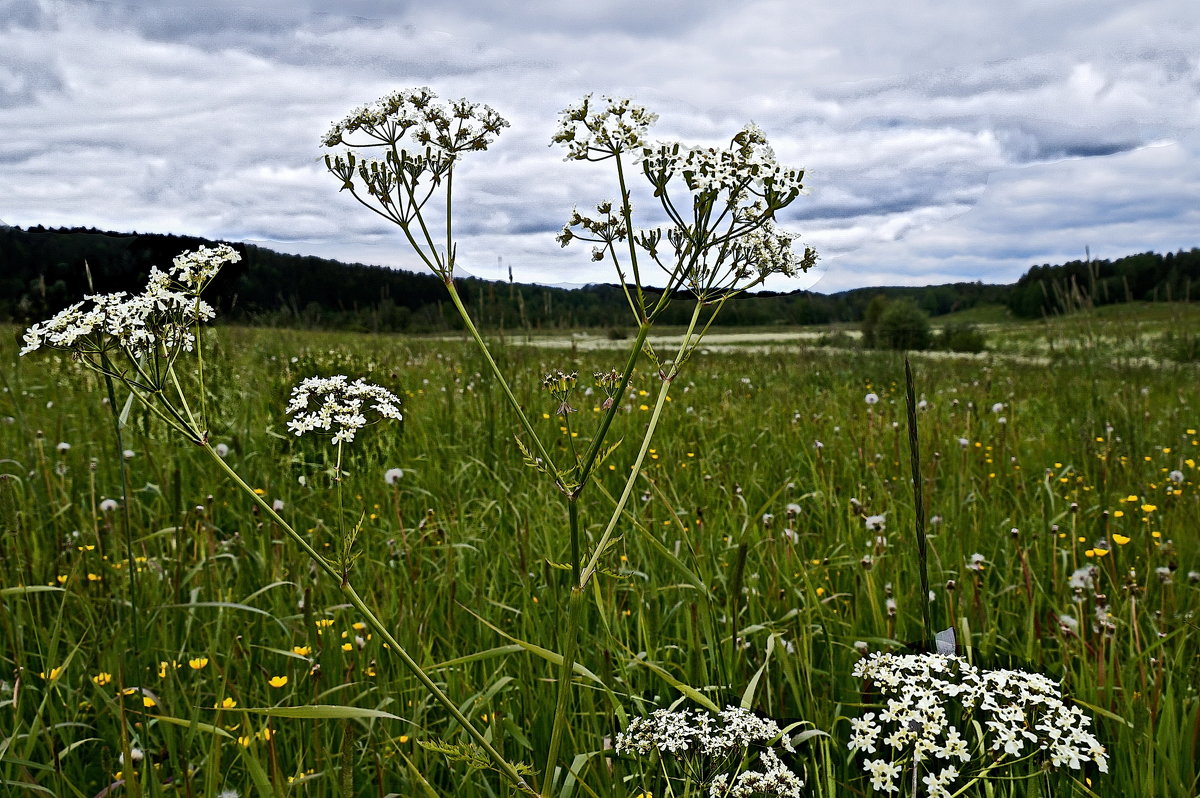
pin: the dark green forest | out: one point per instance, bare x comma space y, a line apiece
44, 270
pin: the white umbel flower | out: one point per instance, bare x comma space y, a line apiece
337, 406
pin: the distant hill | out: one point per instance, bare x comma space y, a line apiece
42, 270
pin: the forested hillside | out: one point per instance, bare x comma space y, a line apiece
43, 270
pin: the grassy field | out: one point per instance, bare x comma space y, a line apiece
1060, 484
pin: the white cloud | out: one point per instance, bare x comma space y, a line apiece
941, 143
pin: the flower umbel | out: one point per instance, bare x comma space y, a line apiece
336, 405
714, 750
931, 700
594, 131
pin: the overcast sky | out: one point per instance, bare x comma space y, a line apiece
942, 141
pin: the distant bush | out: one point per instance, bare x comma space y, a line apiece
961, 338
838, 339
1181, 347
903, 325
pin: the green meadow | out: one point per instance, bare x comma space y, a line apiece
168, 639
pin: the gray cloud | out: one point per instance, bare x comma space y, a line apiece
940, 143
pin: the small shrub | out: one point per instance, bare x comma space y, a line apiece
961, 338
1181, 347
838, 339
903, 325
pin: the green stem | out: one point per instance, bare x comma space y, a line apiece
135, 631
589, 458
508, 394
627, 215
502, 764
573, 518
593, 563
574, 607
914, 451
343, 553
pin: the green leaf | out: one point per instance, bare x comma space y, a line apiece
1103, 712
321, 712
189, 724
22, 589
686, 689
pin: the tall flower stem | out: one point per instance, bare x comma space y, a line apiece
574, 608
581, 578
503, 765
914, 452
131, 563
602, 544
504, 386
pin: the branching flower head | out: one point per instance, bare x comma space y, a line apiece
930, 699
158, 321
195, 270
713, 750
418, 140
339, 407
447, 127
595, 131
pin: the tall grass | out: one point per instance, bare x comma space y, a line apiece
717, 582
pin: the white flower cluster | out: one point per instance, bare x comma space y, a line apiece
195, 269
336, 405
769, 250
1016, 712
421, 139
594, 134
161, 317
747, 165
713, 749
448, 127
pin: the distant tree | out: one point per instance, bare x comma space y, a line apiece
870, 320
903, 325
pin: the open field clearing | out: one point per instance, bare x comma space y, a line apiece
768, 543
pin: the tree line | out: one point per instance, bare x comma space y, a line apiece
43, 270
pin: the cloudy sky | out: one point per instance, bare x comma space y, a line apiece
942, 140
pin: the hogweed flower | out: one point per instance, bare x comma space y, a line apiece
336, 405
724, 240
149, 329
930, 700
713, 750
595, 131
420, 139
195, 270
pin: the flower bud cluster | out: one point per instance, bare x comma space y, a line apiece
595, 131
608, 227
561, 385
609, 382
336, 405
713, 749
931, 698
